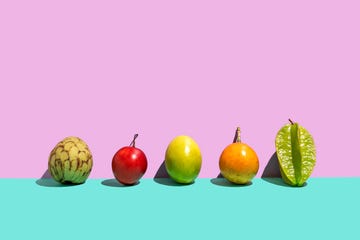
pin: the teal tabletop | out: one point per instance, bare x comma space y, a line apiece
160, 209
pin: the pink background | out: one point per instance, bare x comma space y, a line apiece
104, 70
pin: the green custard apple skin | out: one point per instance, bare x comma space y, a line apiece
70, 161
183, 159
295, 149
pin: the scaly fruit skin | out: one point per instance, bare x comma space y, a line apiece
183, 159
296, 153
70, 161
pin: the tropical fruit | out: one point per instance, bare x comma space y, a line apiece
295, 149
238, 162
183, 159
70, 161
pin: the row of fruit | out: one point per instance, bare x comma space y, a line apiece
70, 161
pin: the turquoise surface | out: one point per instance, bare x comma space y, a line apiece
159, 209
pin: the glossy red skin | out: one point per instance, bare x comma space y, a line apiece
129, 164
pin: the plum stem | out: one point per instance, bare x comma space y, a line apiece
132, 144
292, 123
237, 135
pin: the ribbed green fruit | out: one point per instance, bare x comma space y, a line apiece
296, 152
70, 161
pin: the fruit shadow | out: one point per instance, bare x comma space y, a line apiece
163, 178
47, 181
223, 182
280, 182
272, 168
272, 174
112, 182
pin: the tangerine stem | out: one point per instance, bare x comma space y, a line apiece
132, 144
237, 135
